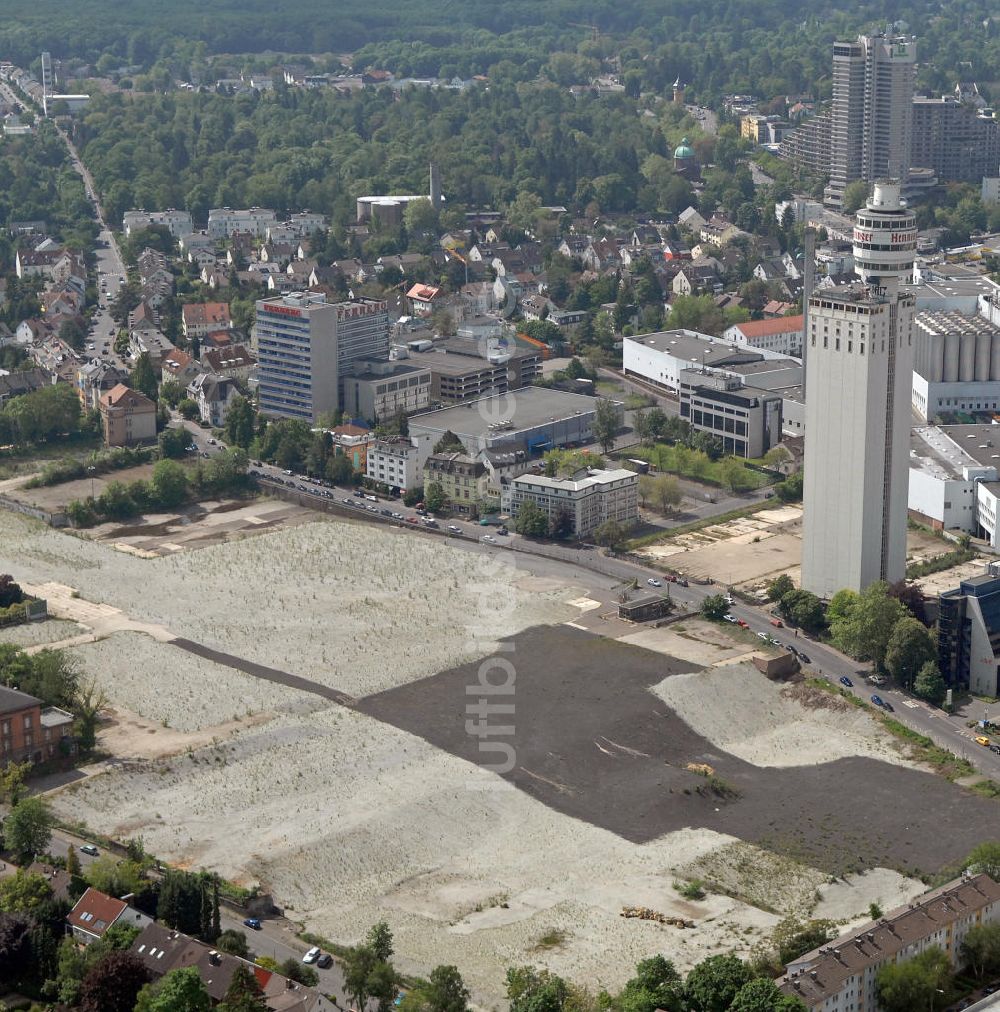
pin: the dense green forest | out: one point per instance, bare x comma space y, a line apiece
317, 149
770, 47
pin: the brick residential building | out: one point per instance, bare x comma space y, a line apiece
30, 732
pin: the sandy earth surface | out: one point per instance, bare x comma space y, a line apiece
759, 721
353, 820
174, 688
348, 819
41, 633
344, 604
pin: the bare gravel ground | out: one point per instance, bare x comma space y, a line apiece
357, 608
40, 633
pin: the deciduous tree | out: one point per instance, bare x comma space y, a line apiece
712, 984
910, 647
607, 421
923, 982
180, 990
27, 831
930, 685
113, 983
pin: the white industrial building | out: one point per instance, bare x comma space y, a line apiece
661, 357
955, 478
858, 391
589, 498
956, 363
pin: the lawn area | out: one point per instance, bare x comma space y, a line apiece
14, 464
696, 464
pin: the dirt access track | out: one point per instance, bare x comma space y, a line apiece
592, 741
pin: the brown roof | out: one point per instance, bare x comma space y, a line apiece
202, 314
233, 357
57, 878
820, 974
177, 360
779, 325
95, 912
121, 395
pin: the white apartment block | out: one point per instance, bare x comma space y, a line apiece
306, 347
783, 334
859, 356
841, 976
590, 498
178, 222
224, 221
395, 461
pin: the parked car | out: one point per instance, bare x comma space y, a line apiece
729, 618
454, 529
995, 748
356, 492
804, 658
502, 531
878, 700
324, 961
488, 539
312, 955
777, 623
742, 624
981, 739
763, 636
844, 680
89, 848
654, 583
252, 922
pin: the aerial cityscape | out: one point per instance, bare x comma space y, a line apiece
498, 507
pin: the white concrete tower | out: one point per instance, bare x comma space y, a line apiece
860, 350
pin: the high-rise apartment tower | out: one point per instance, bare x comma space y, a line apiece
871, 114
306, 346
860, 354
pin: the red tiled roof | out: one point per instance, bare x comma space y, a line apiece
423, 292
120, 393
203, 313
779, 325
95, 911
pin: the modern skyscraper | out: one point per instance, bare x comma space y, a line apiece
306, 346
860, 354
871, 116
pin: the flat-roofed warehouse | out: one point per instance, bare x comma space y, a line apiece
534, 418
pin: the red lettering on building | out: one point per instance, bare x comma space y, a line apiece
283, 310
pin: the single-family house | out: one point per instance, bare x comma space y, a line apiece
213, 395
179, 367
95, 912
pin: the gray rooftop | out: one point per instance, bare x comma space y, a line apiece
14, 699
527, 408
398, 369
691, 346
942, 451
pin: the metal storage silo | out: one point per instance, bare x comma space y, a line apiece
935, 358
995, 357
967, 358
951, 344
982, 356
